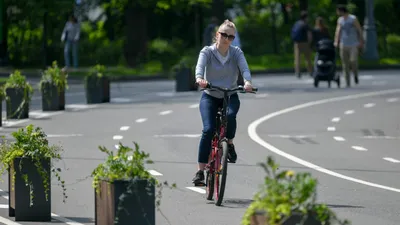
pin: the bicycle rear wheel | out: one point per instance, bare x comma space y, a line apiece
221, 173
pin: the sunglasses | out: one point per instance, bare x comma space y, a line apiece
225, 35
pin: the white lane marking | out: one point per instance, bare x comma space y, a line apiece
359, 148
4, 206
154, 173
331, 128
391, 160
348, 112
252, 131
7, 221
53, 215
369, 105
178, 135
194, 106
124, 128
120, 100
165, 112
290, 136
117, 137
116, 147
196, 189
392, 100
141, 120
65, 220
338, 138
380, 137
261, 95
336, 119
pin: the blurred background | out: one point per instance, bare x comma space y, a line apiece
154, 37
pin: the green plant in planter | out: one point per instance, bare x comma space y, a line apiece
286, 193
126, 164
56, 76
31, 143
97, 70
18, 81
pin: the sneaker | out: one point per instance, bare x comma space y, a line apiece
198, 179
232, 156
356, 79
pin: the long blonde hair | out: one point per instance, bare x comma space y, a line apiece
227, 23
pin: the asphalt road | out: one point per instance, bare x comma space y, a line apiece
347, 138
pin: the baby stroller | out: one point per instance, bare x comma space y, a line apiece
325, 63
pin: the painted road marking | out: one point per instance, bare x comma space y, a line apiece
380, 137
141, 120
391, 160
392, 100
165, 112
359, 148
348, 112
194, 106
120, 100
196, 189
252, 131
290, 136
369, 105
331, 128
338, 138
7, 221
336, 119
124, 128
116, 147
117, 137
261, 95
178, 135
53, 215
154, 173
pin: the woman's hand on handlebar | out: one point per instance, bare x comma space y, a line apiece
248, 87
201, 82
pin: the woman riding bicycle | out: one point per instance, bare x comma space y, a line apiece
220, 65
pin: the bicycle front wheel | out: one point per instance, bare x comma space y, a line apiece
220, 176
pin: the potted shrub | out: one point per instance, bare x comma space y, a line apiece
28, 161
52, 86
97, 85
18, 94
287, 198
124, 189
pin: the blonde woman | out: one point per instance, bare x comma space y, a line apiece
219, 64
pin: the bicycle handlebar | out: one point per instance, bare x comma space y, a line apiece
238, 88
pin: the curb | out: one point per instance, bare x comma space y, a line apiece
257, 73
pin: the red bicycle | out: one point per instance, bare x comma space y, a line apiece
217, 166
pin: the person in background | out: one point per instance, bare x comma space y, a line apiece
348, 38
302, 38
209, 31
70, 36
320, 30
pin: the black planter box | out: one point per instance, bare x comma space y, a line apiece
52, 99
94, 87
16, 97
106, 89
138, 208
185, 80
19, 193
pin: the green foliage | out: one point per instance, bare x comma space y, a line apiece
97, 70
32, 143
126, 164
18, 81
393, 45
284, 193
56, 76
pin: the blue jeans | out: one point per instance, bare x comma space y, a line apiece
208, 110
71, 45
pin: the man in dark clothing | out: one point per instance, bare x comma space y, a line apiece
302, 38
209, 32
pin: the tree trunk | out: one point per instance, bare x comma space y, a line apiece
303, 4
136, 35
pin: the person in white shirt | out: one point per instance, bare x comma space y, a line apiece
70, 36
